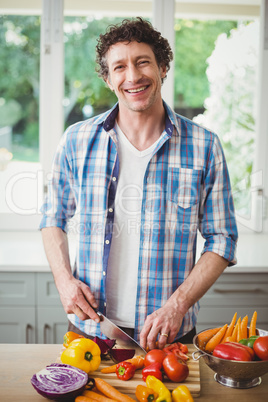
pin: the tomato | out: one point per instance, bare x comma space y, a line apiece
154, 356
260, 347
176, 370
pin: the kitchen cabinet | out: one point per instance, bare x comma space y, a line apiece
241, 292
30, 308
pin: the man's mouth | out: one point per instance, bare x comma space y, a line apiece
133, 91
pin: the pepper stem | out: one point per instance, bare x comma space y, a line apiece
88, 356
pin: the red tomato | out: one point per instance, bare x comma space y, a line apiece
154, 356
176, 370
260, 347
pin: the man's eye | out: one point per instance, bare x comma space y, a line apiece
118, 67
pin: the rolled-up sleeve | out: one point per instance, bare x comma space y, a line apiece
60, 203
218, 223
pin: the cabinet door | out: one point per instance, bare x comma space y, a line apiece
52, 324
47, 293
17, 325
17, 289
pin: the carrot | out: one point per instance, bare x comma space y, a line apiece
230, 328
216, 339
82, 398
229, 339
138, 362
252, 327
244, 327
205, 336
239, 332
235, 331
110, 391
97, 397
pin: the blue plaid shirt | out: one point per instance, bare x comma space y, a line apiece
186, 188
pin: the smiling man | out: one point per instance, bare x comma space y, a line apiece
142, 180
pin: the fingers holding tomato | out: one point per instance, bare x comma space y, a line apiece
260, 347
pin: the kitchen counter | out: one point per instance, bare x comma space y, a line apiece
23, 251
20, 362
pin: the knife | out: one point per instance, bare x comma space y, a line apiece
112, 331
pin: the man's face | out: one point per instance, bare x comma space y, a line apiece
134, 75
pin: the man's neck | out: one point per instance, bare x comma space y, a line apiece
142, 129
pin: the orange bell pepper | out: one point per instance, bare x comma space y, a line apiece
69, 337
145, 394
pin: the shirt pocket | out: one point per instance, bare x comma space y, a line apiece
184, 186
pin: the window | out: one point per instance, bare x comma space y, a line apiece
82, 92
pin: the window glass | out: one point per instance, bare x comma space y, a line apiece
19, 104
215, 85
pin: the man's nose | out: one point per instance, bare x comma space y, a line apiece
133, 74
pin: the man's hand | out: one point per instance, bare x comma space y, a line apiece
164, 322
77, 298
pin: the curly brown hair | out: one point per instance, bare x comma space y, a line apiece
128, 30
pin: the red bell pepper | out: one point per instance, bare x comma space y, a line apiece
125, 370
234, 351
153, 369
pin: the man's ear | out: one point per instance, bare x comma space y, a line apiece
109, 84
163, 71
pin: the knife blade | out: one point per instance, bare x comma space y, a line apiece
112, 331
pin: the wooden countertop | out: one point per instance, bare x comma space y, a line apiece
19, 362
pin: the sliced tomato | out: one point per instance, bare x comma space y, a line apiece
178, 349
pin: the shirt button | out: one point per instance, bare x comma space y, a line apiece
114, 178
103, 273
107, 241
105, 304
111, 210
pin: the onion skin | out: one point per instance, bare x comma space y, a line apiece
60, 382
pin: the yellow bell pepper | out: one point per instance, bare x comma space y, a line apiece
82, 353
182, 394
160, 388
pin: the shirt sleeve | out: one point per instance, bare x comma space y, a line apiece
60, 203
218, 223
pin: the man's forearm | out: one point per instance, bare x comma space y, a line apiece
206, 271
57, 252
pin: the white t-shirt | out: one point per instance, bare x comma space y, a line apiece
121, 281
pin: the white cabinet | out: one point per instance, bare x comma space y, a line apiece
241, 292
30, 308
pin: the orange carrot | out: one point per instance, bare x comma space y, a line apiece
244, 327
82, 398
216, 339
97, 397
235, 331
239, 332
205, 336
230, 328
110, 391
252, 327
138, 362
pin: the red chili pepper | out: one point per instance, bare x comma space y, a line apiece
125, 370
153, 369
234, 351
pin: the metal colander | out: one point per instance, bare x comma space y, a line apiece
233, 373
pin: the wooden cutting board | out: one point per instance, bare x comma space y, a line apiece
129, 387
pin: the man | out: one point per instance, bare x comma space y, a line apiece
141, 181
